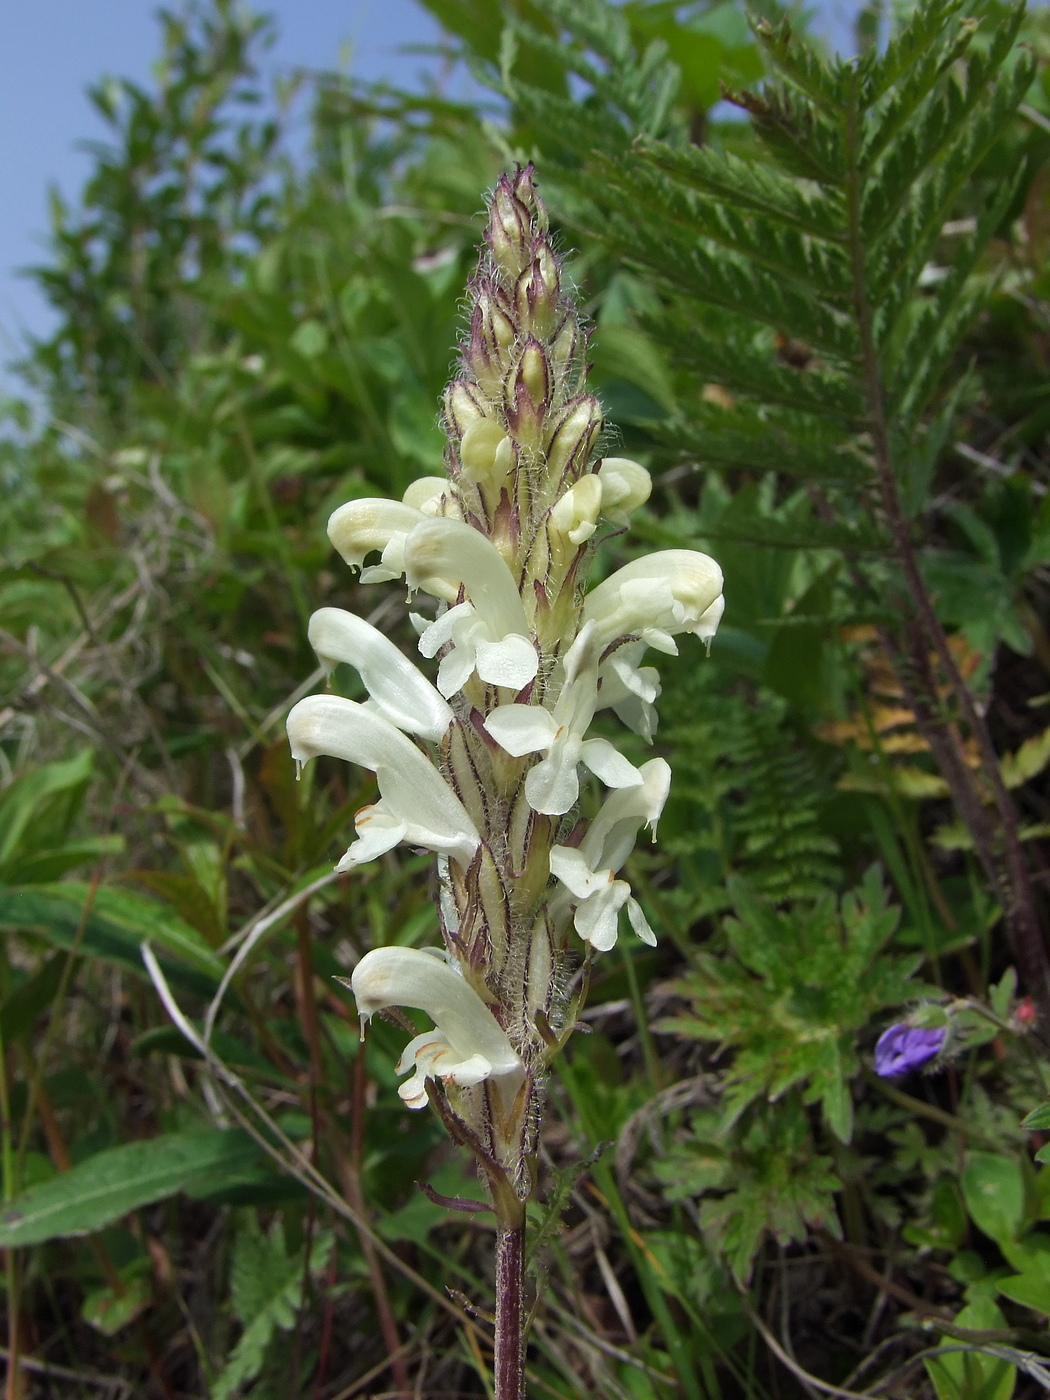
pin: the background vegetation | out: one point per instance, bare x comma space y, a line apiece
824, 324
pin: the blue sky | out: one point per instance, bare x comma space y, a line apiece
52, 49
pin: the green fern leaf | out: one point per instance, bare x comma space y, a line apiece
925, 27
748, 185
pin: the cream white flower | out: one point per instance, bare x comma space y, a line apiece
486, 453
553, 785
630, 690
416, 805
657, 597
399, 690
467, 1044
574, 516
588, 871
372, 523
489, 632
626, 485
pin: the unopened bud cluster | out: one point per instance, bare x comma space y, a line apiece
483, 764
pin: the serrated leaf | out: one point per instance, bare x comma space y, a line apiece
105, 1187
267, 1288
749, 185
926, 24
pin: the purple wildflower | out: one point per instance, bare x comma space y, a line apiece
904, 1048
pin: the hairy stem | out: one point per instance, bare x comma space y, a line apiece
510, 1312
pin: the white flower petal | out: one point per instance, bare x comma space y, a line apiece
669, 592
553, 786
569, 866
640, 923
611, 836
597, 919
609, 764
445, 628
401, 691
512, 662
467, 1045
454, 670
378, 831
359, 527
462, 557
626, 485
411, 788
521, 729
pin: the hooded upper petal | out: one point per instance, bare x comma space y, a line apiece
656, 597
373, 523
463, 557
400, 690
467, 1045
412, 791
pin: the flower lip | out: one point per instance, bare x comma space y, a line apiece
903, 1048
552, 785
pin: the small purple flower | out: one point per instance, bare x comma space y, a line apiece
904, 1048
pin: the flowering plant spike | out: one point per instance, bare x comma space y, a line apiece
483, 764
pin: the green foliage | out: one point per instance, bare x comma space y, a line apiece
266, 1288
794, 992
768, 1178
847, 284
110, 1184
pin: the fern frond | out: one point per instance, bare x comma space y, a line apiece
804, 141
880, 72
918, 83
823, 268
722, 278
914, 231
748, 185
825, 84
784, 443
744, 366
942, 146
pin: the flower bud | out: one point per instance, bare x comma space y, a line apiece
572, 438
574, 516
526, 390
486, 453
509, 232
537, 291
626, 485
462, 407
492, 337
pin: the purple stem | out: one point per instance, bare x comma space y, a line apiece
510, 1313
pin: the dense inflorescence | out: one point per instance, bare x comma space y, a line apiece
526, 657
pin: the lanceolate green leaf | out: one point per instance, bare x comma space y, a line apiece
116, 925
107, 1186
